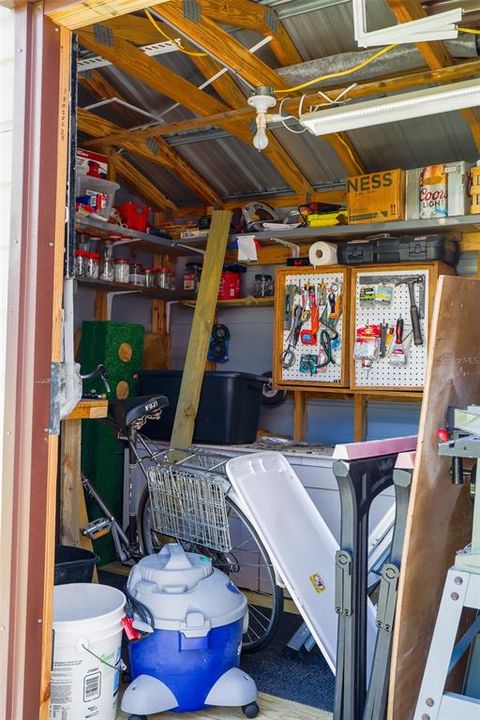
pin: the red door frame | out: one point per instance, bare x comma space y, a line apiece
33, 343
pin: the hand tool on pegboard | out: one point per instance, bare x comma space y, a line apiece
414, 311
398, 355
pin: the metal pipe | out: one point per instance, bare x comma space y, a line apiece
401, 59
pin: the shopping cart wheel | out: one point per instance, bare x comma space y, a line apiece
251, 710
142, 717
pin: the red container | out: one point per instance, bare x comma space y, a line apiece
134, 215
229, 285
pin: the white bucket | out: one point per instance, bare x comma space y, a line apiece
86, 651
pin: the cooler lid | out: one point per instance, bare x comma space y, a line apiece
184, 592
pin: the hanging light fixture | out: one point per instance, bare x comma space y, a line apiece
262, 101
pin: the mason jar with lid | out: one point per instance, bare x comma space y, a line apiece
122, 270
150, 277
162, 278
137, 274
93, 267
81, 258
108, 266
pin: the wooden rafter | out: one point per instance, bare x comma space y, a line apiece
435, 54
158, 151
133, 61
74, 14
259, 18
235, 56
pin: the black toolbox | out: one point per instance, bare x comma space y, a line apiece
386, 249
228, 412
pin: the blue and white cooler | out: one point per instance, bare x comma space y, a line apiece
191, 659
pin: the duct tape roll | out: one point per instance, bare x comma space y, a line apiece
322, 253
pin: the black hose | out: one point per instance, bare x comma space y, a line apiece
135, 607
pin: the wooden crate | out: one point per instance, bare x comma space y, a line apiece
383, 375
376, 197
335, 376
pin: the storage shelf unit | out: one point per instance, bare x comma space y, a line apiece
147, 241
153, 293
468, 223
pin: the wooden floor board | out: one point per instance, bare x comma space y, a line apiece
271, 708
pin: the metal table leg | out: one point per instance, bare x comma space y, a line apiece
376, 703
359, 483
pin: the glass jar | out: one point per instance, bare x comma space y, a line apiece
83, 243
122, 270
263, 286
81, 257
94, 265
137, 274
150, 277
108, 266
162, 278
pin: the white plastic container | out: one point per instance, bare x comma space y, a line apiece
88, 185
86, 651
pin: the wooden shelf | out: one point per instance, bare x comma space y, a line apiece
147, 241
249, 301
155, 293
468, 223
89, 410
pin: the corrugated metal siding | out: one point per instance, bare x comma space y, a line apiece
330, 31
232, 167
416, 142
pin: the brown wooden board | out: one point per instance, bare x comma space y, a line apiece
440, 514
278, 337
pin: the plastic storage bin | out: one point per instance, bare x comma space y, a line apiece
88, 185
190, 660
74, 565
229, 407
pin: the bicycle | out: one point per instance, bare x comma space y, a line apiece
148, 528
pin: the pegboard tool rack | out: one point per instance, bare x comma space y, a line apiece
360, 395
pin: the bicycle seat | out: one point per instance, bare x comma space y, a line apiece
136, 409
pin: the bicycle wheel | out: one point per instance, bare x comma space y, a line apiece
247, 564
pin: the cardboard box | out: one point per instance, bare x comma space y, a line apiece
377, 197
458, 198
91, 163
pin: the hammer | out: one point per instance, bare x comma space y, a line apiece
411, 282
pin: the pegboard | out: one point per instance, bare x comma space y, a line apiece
382, 373
304, 372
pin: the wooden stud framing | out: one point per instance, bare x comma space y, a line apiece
204, 314
299, 415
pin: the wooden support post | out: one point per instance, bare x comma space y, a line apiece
359, 417
299, 415
101, 305
201, 330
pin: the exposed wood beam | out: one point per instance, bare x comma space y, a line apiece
235, 56
221, 45
259, 18
141, 184
135, 63
276, 153
158, 151
435, 55
418, 79
74, 14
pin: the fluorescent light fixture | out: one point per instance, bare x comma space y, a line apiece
435, 27
420, 103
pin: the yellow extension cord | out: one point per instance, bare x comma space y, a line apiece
165, 35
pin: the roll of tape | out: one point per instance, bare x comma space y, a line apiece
322, 253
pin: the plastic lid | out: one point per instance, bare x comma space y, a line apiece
149, 270
121, 260
95, 256
82, 253
184, 592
